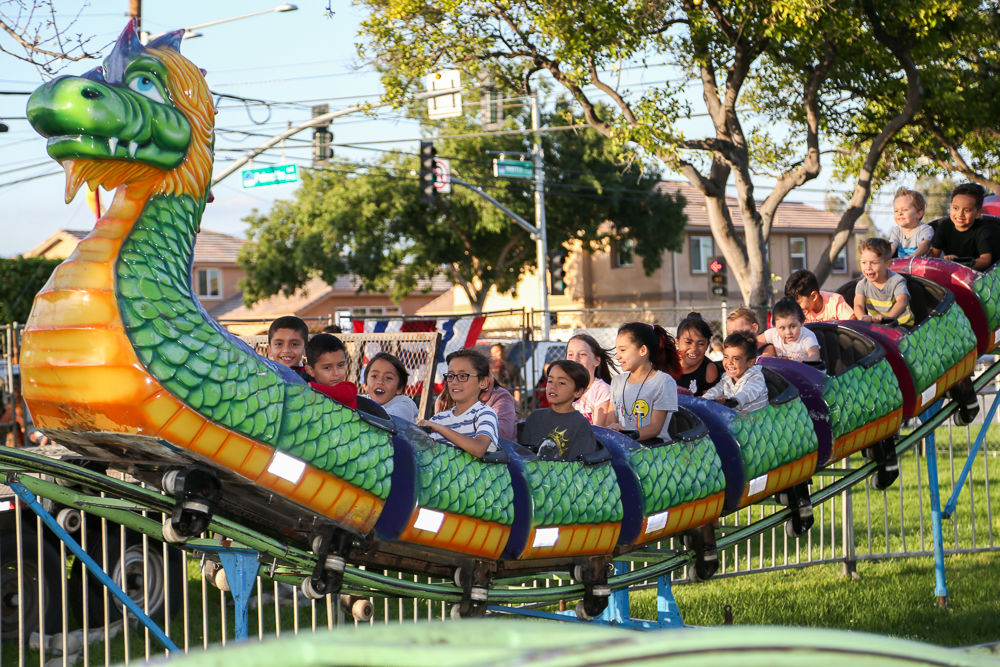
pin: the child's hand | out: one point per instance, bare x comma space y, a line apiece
427, 425
615, 426
721, 399
951, 257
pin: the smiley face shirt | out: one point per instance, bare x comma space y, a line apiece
634, 403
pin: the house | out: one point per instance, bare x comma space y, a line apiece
216, 275
610, 284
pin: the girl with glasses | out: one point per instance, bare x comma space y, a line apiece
469, 424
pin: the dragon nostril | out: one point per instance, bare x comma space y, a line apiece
90, 93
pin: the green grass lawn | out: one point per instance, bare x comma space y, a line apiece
891, 521
891, 597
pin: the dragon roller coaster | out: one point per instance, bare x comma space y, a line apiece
121, 364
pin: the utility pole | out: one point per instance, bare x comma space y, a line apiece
135, 12
541, 241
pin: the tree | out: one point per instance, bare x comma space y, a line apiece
367, 219
954, 127
40, 36
800, 69
20, 279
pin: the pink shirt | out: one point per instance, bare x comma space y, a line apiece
834, 308
598, 393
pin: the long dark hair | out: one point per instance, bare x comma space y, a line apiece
603, 370
662, 350
695, 321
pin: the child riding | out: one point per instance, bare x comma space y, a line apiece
880, 294
964, 233
645, 392
790, 338
595, 403
743, 388
698, 372
910, 237
559, 431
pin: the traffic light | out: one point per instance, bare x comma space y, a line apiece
427, 154
718, 277
322, 137
557, 272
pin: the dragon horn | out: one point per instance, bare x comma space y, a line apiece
96, 74
127, 46
170, 40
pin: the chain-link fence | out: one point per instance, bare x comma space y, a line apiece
605, 321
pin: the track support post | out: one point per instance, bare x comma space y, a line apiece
949, 507
937, 536
241, 566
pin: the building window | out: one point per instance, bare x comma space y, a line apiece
208, 283
624, 253
701, 253
797, 253
840, 261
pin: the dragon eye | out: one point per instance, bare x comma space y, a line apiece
146, 85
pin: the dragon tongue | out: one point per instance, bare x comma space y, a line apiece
74, 178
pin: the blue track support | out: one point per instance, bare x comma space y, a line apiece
940, 587
949, 507
29, 499
240, 566
617, 613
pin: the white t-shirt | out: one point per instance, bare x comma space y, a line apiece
635, 402
401, 406
598, 393
797, 350
479, 419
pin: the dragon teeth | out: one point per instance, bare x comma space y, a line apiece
112, 145
132, 148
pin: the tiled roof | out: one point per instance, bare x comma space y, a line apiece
216, 248
790, 214
314, 291
279, 304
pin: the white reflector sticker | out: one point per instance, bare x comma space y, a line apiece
996, 336
657, 521
429, 520
286, 467
758, 484
6, 505
545, 537
927, 395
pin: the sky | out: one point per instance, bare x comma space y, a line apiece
278, 64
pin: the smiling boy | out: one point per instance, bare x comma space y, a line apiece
880, 294
743, 388
559, 431
326, 361
286, 342
964, 234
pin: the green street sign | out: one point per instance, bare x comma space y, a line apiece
281, 173
513, 169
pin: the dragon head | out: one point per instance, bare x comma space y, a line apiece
145, 117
